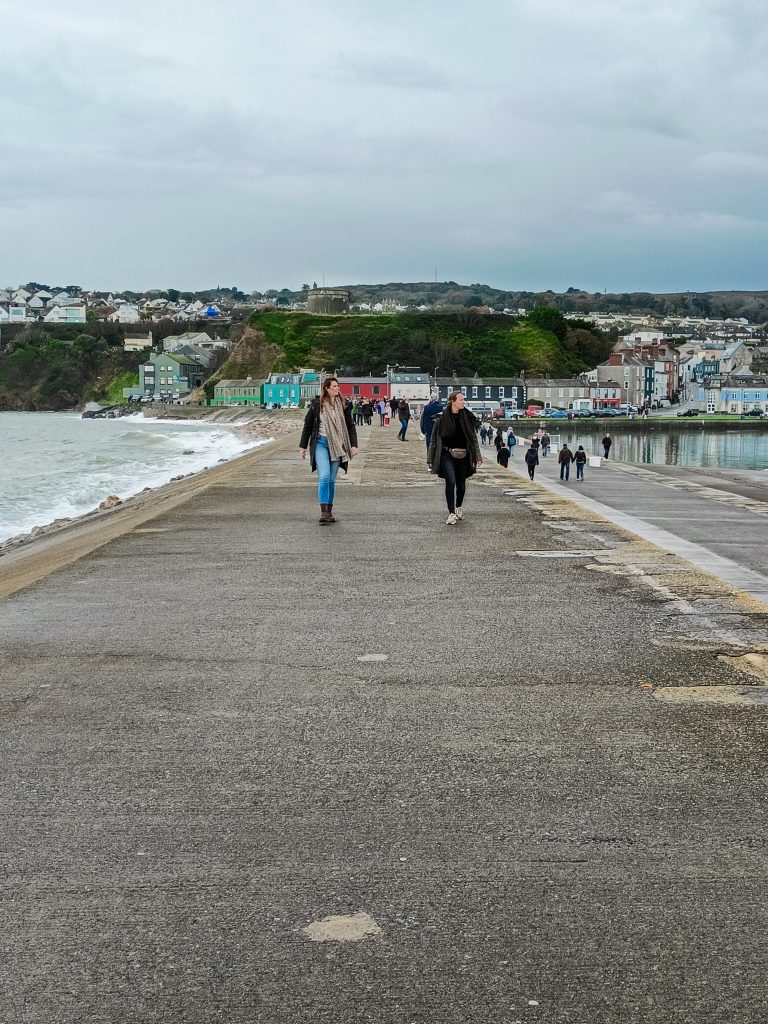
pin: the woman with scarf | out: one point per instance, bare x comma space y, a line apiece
330, 434
454, 453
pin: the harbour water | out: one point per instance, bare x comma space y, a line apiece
58, 465
708, 447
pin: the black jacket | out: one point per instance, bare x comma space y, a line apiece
312, 428
467, 422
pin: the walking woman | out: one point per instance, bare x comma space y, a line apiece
454, 453
329, 433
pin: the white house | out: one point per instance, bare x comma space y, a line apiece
65, 315
125, 315
137, 342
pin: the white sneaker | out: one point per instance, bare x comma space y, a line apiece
451, 520
459, 513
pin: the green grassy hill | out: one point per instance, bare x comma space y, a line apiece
465, 342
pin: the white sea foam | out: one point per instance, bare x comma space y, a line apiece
57, 465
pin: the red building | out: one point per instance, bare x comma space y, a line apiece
364, 387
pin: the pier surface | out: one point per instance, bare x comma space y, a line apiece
260, 771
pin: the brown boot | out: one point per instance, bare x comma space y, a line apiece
325, 515
330, 513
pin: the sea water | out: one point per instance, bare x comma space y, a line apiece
58, 465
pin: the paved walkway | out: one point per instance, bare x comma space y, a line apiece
479, 751
715, 521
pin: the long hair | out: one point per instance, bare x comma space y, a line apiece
324, 396
452, 398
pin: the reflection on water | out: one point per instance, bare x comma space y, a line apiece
727, 449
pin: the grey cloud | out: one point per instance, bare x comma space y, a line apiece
390, 71
519, 144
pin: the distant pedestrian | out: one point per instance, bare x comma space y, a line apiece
483, 433
498, 441
502, 456
454, 453
393, 404
580, 458
532, 459
381, 406
330, 435
432, 410
545, 441
565, 458
404, 415
511, 441
607, 442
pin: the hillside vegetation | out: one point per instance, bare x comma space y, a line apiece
466, 342
40, 371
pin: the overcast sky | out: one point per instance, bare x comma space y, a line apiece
522, 143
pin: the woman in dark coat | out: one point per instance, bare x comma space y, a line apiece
330, 435
454, 453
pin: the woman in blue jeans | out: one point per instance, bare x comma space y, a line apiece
330, 435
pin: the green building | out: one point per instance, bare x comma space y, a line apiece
168, 375
238, 392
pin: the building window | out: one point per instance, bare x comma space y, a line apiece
474, 392
487, 392
355, 389
375, 389
501, 393
463, 390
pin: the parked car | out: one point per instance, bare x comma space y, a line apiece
689, 412
753, 412
555, 414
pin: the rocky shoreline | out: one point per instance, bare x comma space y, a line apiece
265, 428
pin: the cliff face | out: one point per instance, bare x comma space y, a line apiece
253, 356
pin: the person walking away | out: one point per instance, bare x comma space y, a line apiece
580, 458
404, 415
483, 434
532, 458
502, 456
393, 404
607, 442
498, 442
331, 437
454, 453
511, 442
432, 409
545, 441
381, 406
565, 458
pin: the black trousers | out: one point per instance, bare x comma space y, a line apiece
455, 473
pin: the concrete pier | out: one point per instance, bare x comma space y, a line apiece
260, 771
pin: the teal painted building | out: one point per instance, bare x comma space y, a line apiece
282, 389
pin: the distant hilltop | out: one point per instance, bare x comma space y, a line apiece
34, 301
